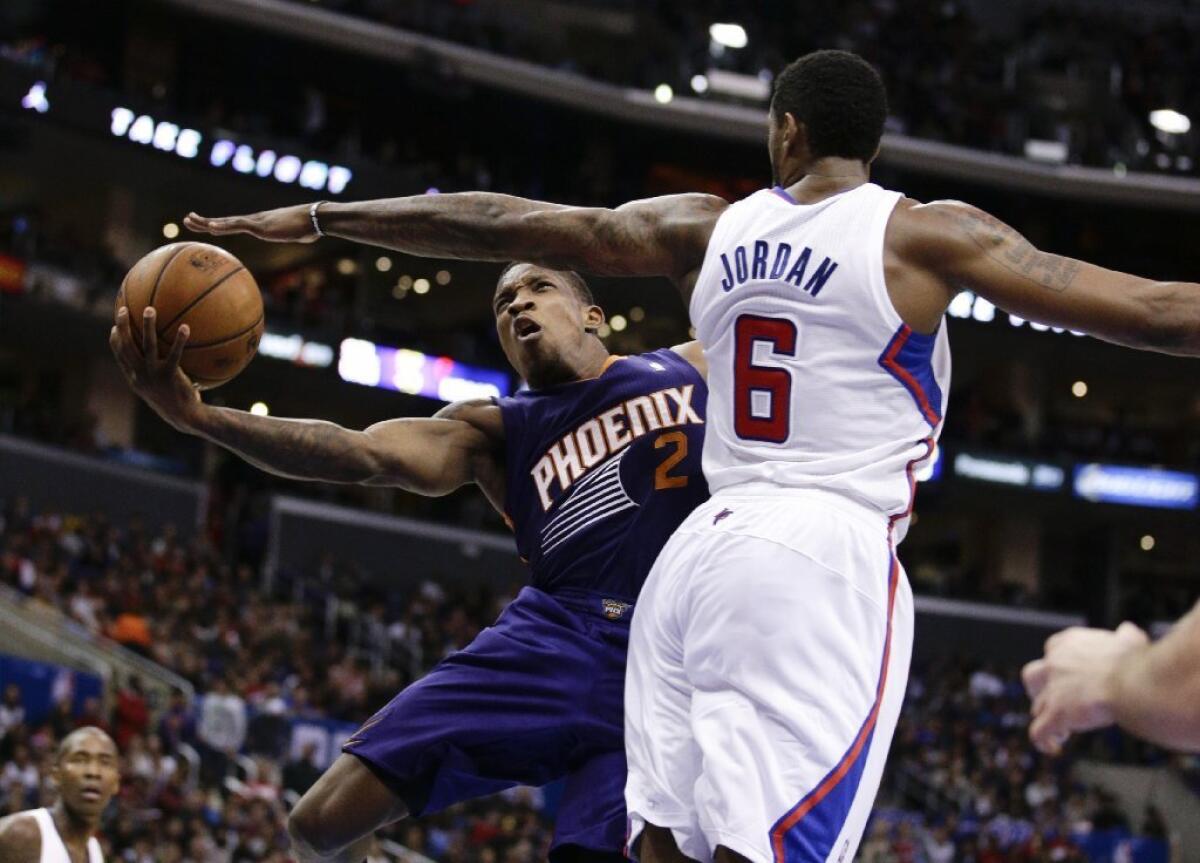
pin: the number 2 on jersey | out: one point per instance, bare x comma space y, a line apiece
662, 476
772, 425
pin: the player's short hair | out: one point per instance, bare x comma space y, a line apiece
577, 282
67, 742
840, 99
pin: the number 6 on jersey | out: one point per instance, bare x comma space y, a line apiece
762, 404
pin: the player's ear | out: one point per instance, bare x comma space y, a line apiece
795, 136
593, 318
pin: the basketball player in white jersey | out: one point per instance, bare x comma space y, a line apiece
87, 775
771, 642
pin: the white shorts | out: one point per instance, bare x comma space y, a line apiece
768, 658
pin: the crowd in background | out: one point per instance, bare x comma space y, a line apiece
963, 783
333, 649
1086, 75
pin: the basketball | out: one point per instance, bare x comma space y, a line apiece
212, 292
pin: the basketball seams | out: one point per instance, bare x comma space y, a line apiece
158, 279
226, 339
198, 298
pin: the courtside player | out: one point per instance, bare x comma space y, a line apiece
770, 649
87, 776
595, 466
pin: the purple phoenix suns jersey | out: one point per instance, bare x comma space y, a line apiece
601, 472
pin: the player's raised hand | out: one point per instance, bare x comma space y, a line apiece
158, 380
1072, 685
285, 225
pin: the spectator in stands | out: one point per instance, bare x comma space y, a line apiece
91, 714
20, 772
12, 712
221, 730
132, 630
300, 773
177, 724
131, 714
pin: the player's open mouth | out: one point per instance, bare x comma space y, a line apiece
526, 328
90, 794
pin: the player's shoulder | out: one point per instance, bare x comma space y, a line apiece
20, 838
919, 230
693, 353
698, 205
482, 414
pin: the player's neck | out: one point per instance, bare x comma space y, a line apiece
73, 830
815, 181
587, 363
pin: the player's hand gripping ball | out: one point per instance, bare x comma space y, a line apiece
208, 290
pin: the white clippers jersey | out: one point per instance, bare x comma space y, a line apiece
53, 849
814, 380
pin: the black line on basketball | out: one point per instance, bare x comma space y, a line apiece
234, 337
158, 278
197, 299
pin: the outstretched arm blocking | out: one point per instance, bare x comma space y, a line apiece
967, 249
663, 236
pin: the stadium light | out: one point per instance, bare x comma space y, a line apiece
287, 169
1079, 389
260, 409
699, 84
35, 99
222, 150
728, 35
618, 323
170, 230
1170, 121
243, 160
1147, 543
265, 163
663, 94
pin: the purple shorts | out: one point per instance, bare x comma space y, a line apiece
536, 697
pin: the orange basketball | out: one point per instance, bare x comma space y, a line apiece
212, 292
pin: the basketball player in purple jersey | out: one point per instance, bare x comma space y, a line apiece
758, 718
594, 467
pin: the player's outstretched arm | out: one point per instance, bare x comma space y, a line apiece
430, 456
1090, 678
664, 236
965, 248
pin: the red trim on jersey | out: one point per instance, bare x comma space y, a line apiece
834, 777
889, 362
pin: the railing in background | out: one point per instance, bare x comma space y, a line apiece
35, 632
56, 480
683, 114
394, 550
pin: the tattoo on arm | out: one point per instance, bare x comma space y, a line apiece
1012, 251
300, 449
461, 225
